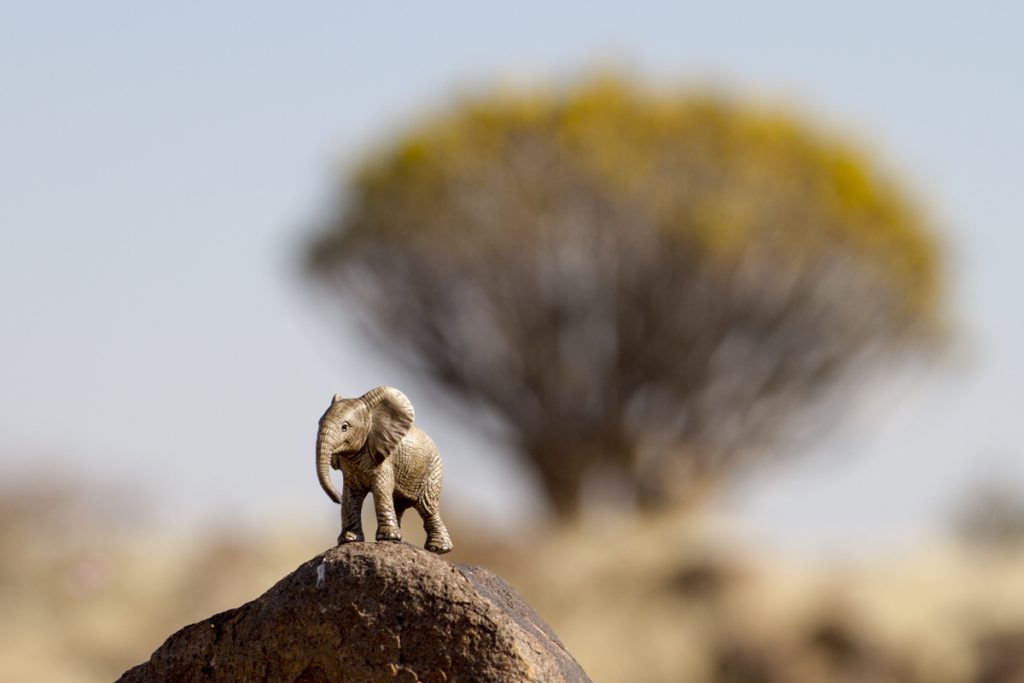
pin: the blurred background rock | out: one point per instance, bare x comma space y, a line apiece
715, 340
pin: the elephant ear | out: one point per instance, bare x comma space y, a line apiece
392, 416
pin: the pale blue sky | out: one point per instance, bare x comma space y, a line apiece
158, 168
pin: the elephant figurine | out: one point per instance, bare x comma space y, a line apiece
373, 441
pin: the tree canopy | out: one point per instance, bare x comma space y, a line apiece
647, 286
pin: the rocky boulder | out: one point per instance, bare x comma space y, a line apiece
370, 612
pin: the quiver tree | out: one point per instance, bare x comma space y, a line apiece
646, 286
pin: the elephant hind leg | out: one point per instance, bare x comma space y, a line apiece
428, 507
438, 540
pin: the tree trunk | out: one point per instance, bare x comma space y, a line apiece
561, 475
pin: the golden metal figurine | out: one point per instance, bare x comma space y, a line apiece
373, 441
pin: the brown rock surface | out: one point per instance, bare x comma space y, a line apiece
370, 612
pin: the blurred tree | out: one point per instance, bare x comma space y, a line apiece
991, 516
644, 286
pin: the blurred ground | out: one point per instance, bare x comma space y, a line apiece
657, 600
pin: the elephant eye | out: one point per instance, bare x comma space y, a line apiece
344, 426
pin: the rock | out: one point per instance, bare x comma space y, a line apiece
370, 612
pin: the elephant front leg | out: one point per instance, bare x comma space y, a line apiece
384, 504
351, 515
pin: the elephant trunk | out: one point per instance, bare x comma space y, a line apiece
324, 444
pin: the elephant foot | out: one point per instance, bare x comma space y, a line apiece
350, 536
389, 533
439, 545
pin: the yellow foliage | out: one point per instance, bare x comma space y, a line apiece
705, 168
